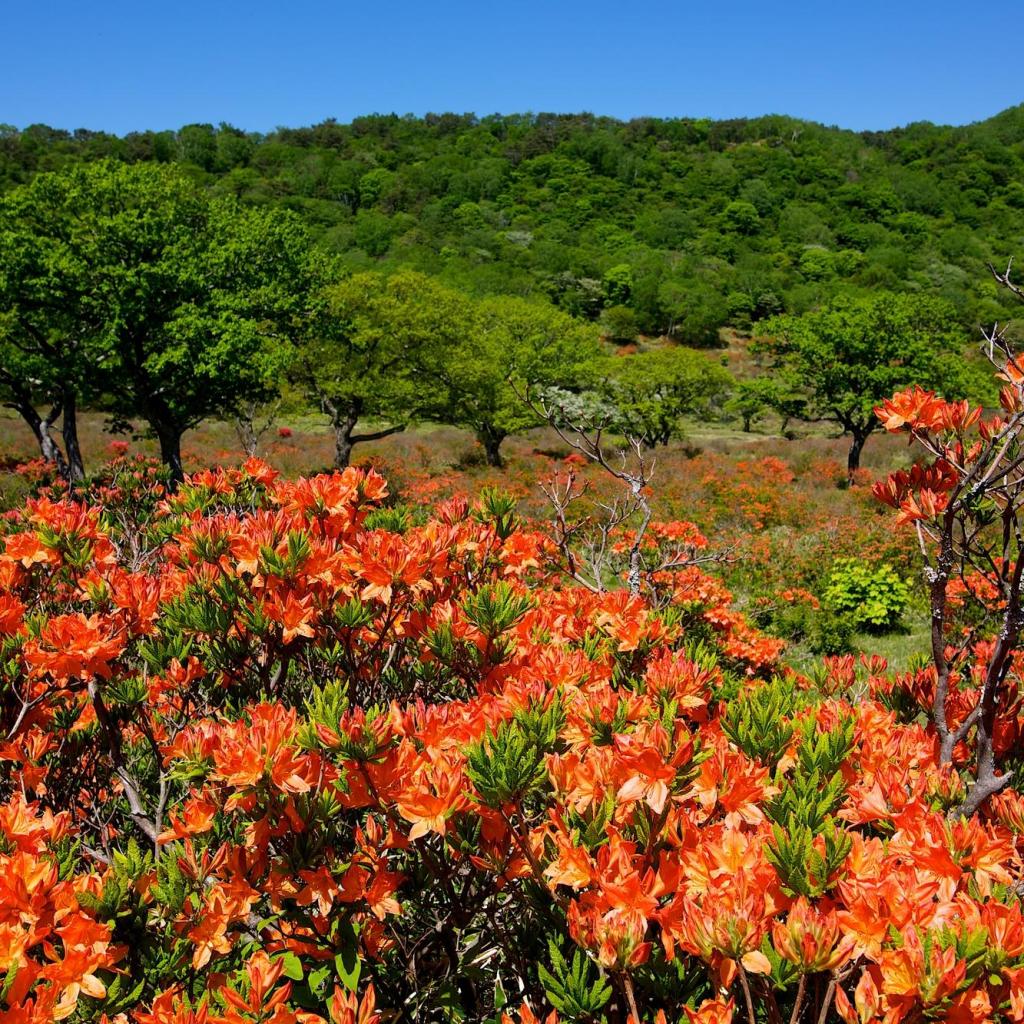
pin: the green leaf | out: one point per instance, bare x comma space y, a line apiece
292, 967
347, 962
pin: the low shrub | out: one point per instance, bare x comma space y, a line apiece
831, 633
872, 598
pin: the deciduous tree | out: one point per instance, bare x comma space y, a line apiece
507, 341
362, 355
175, 306
853, 353
46, 317
651, 391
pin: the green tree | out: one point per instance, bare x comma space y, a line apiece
617, 284
508, 346
177, 304
44, 318
693, 311
651, 391
850, 355
360, 356
742, 217
779, 392
618, 323
746, 402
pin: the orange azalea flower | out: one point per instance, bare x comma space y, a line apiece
75, 646
811, 939
433, 799
916, 409
722, 928
527, 1016
926, 505
264, 747
867, 999
572, 866
649, 775
28, 550
196, 817
11, 614
346, 1008
294, 615
711, 1011
908, 975
262, 975
172, 1007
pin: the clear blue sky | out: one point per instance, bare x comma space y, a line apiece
119, 65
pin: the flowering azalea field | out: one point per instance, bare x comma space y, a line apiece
284, 750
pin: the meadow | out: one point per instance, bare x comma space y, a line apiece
378, 645
778, 507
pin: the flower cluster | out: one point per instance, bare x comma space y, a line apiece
278, 751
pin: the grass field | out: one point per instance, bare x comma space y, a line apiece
310, 446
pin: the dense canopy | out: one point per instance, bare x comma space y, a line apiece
690, 224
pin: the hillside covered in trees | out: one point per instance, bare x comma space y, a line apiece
674, 227
591, 727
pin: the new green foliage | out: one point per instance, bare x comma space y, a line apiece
808, 846
872, 598
759, 721
574, 988
510, 762
845, 358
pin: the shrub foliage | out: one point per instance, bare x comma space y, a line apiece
274, 752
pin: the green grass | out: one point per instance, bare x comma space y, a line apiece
899, 648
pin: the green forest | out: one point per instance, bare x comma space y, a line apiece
400, 270
674, 227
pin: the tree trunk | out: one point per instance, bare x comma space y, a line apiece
491, 440
344, 417
252, 421
344, 422
69, 430
40, 428
245, 429
170, 453
342, 448
166, 424
853, 458
50, 449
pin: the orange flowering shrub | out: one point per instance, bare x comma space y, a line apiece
276, 751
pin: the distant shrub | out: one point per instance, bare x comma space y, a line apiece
831, 633
791, 615
872, 598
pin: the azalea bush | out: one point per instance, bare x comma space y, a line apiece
282, 750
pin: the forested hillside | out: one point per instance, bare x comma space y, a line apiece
540, 706
672, 227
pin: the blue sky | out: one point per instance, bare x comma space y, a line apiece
118, 65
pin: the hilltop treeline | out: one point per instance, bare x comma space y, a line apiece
650, 226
